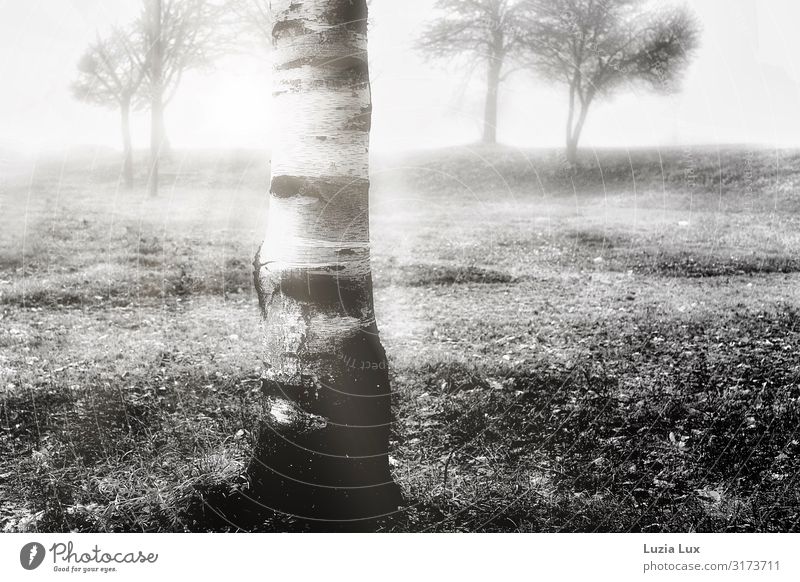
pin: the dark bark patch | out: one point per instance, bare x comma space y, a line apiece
352, 68
287, 186
320, 188
327, 291
352, 14
289, 28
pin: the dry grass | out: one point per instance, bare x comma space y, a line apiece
568, 353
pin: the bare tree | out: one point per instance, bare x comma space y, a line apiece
596, 46
178, 35
485, 31
253, 18
323, 451
110, 73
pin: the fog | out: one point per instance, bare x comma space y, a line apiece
742, 87
606, 343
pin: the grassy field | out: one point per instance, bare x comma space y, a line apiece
607, 349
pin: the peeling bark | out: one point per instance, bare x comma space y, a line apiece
323, 447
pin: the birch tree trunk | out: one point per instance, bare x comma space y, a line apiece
323, 448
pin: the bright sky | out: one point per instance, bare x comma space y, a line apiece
744, 86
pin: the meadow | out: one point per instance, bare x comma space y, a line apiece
606, 348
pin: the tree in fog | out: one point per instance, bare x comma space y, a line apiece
178, 35
110, 73
485, 31
323, 448
596, 46
252, 17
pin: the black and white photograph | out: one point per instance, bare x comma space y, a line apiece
398, 266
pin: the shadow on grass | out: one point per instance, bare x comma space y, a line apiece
440, 275
694, 265
658, 425
667, 428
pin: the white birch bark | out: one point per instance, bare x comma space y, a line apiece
324, 447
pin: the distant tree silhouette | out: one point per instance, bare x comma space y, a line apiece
596, 46
178, 35
253, 17
110, 73
486, 31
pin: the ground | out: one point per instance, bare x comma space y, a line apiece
606, 348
